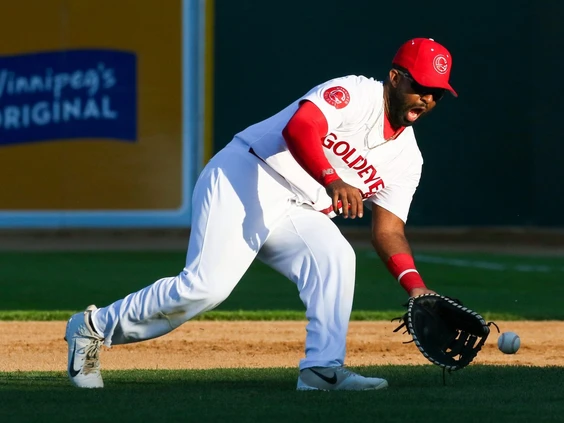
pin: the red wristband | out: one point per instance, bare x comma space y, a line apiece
402, 267
327, 176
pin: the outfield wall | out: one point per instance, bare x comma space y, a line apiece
146, 108
102, 111
492, 157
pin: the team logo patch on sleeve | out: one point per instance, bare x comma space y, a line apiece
337, 97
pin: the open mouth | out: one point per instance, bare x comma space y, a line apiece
414, 113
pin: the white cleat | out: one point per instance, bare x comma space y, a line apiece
337, 379
84, 351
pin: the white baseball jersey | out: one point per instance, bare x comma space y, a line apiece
244, 207
387, 173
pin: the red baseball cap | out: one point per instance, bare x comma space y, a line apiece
427, 61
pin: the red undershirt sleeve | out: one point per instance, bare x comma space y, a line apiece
303, 134
402, 267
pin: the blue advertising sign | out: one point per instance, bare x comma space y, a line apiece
68, 94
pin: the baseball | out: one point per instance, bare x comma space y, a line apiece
508, 342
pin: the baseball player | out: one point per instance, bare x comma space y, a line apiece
271, 194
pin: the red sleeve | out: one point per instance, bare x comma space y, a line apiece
402, 267
303, 134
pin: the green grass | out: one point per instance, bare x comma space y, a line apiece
52, 285
235, 315
475, 394
34, 283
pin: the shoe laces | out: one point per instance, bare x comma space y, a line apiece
349, 372
92, 359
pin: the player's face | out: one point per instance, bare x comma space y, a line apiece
409, 101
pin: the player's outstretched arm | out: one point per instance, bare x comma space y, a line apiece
390, 242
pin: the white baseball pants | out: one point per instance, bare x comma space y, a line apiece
243, 209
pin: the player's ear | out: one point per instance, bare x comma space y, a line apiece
394, 77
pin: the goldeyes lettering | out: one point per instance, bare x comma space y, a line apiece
354, 160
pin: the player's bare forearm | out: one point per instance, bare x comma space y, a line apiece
390, 242
388, 234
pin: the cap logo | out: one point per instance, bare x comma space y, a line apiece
337, 97
440, 63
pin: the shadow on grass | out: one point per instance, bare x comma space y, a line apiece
399, 377
477, 393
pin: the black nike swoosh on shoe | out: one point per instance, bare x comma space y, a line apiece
72, 371
331, 380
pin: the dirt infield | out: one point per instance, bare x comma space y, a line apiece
26, 346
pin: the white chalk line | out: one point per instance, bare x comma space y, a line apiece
480, 264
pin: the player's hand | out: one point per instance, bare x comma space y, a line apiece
420, 291
345, 196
